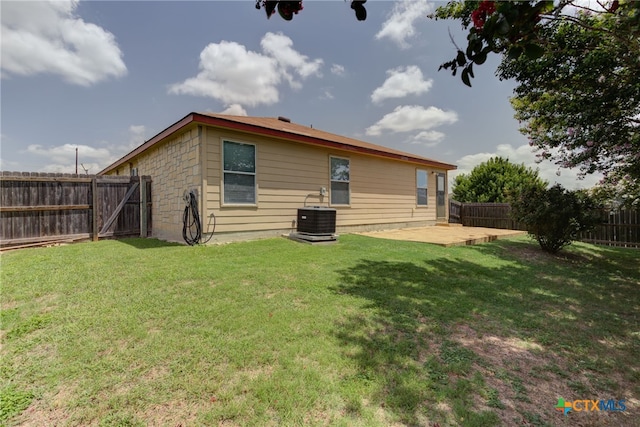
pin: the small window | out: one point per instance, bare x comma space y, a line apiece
421, 187
340, 176
239, 169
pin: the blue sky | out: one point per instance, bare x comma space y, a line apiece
105, 76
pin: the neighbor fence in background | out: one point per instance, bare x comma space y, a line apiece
491, 215
45, 207
619, 227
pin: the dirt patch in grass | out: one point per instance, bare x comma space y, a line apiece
172, 413
529, 379
48, 302
535, 254
156, 373
38, 415
8, 305
532, 253
47, 411
53, 410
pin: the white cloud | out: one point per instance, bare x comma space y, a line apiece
428, 138
402, 81
235, 110
338, 70
90, 168
48, 37
63, 157
326, 94
9, 165
407, 118
547, 170
400, 25
280, 47
234, 75
136, 135
67, 152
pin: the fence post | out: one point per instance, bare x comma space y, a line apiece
143, 207
94, 226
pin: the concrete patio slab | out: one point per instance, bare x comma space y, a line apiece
445, 235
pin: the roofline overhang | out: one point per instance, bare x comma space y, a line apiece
180, 124
197, 118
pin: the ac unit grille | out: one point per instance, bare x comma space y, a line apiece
316, 220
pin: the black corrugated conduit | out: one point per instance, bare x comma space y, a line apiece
191, 224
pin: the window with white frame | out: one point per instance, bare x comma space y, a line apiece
421, 187
340, 175
239, 173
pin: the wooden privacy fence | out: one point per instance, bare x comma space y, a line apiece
37, 208
455, 212
619, 227
491, 215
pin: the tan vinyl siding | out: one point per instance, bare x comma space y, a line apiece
285, 174
383, 191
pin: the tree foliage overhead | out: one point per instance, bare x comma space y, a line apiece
514, 28
579, 103
617, 193
288, 8
492, 182
576, 69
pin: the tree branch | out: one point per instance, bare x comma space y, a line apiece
581, 23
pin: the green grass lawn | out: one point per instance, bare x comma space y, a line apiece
365, 332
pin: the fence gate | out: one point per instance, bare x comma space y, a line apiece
455, 212
37, 208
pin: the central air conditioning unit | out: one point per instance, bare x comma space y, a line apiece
316, 220
315, 224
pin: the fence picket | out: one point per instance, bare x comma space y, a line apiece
39, 207
619, 228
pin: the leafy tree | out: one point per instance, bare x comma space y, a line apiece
493, 180
555, 216
580, 102
578, 93
513, 28
614, 192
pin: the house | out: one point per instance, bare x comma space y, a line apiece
253, 173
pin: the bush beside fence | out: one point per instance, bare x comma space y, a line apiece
619, 227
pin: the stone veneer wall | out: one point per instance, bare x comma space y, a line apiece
174, 166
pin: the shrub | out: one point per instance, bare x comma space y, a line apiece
493, 180
554, 216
